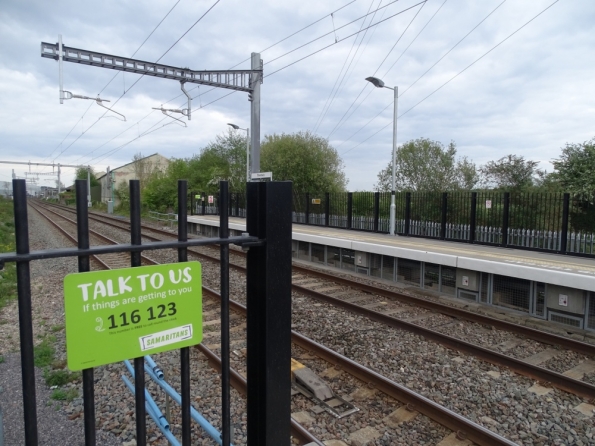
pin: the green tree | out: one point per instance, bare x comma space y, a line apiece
306, 159
81, 174
426, 165
575, 169
512, 173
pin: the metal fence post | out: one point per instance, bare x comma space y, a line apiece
224, 280
184, 352
139, 363
505, 218
565, 216
307, 208
21, 225
444, 210
376, 210
407, 212
473, 217
269, 314
327, 209
82, 229
204, 203
349, 210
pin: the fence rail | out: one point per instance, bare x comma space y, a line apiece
552, 222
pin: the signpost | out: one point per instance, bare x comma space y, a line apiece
131, 312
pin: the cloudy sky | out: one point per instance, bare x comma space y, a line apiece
465, 73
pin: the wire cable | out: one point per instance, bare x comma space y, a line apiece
455, 76
111, 80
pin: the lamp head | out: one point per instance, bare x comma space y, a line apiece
375, 81
236, 127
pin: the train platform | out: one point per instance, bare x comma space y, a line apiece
559, 288
575, 272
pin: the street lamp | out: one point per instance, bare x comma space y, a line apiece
380, 84
247, 148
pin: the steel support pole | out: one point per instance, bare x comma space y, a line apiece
224, 273
89, 186
269, 314
393, 206
255, 112
21, 225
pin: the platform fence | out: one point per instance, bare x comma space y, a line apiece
552, 222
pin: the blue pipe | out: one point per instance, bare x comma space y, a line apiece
157, 416
154, 367
149, 399
196, 416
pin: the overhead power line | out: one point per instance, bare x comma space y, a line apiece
455, 76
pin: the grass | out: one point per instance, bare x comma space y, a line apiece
8, 275
64, 395
1, 359
43, 354
59, 377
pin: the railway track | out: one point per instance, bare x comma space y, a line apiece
427, 319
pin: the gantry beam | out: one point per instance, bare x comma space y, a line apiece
240, 80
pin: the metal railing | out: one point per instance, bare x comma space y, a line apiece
268, 320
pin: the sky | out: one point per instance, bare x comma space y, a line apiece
496, 77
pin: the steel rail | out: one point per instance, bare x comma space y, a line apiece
457, 423
538, 335
241, 385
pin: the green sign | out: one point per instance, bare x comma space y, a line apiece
197, 197
130, 312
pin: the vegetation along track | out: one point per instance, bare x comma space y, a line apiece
408, 311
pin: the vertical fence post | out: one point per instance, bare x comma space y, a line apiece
225, 361
349, 210
376, 210
473, 217
269, 314
139, 363
444, 209
505, 218
204, 202
192, 203
82, 229
565, 217
307, 208
21, 225
184, 352
327, 209
407, 212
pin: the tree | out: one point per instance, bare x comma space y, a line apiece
575, 169
224, 159
308, 160
143, 169
512, 173
81, 174
426, 165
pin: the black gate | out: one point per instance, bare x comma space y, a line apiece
268, 297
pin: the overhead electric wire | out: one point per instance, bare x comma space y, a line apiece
324, 110
456, 75
315, 52
214, 88
344, 118
111, 80
135, 82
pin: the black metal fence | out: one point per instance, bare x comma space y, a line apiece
268, 296
552, 222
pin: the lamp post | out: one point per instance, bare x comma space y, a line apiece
393, 207
235, 127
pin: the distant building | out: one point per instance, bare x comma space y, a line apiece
140, 169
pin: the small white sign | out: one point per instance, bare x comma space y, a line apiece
488, 204
262, 176
211, 199
465, 281
563, 300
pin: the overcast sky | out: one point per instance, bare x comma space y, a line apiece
528, 96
